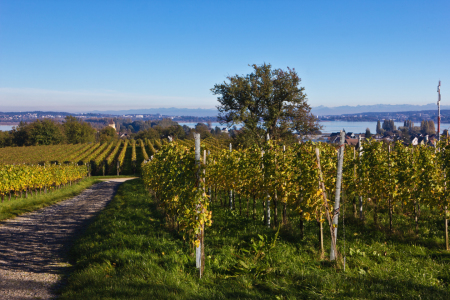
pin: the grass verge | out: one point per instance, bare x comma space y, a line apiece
129, 252
16, 207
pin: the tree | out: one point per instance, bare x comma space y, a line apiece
78, 132
409, 124
388, 125
266, 101
406, 137
202, 129
40, 132
5, 138
46, 132
378, 131
427, 128
107, 134
175, 131
368, 134
150, 134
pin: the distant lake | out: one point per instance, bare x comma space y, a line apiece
213, 124
6, 127
336, 126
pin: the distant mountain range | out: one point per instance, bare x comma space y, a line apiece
172, 111
318, 110
340, 110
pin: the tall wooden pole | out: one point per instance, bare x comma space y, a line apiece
337, 196
325, 205
198, 250
231, 191
439, 110
361, 216
390, 191
268, 198
446, 211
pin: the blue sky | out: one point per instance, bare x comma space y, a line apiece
85, 55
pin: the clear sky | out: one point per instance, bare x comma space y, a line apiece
75, 55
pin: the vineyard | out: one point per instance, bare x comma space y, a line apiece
275, 182
258, 222
38, 168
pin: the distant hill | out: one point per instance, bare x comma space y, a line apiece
172, 111
318, 110
340, 110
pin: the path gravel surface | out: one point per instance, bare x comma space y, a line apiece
34, 246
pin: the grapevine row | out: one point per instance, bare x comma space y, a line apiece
144, 152
386, 177
19, 178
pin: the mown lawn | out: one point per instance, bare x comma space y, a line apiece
129, 252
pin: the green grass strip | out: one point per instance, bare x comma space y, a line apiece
128, 252
16, 207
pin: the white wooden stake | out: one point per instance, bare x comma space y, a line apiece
231, 191
268, 198
360, 197
337, 196
198, 250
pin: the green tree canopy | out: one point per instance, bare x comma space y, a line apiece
78, 132
265, 101
379, 130
150, 134
107, 134
427, 127
389, 125
40, 132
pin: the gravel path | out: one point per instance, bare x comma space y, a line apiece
34, 246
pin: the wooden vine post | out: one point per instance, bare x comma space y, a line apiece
361, 215
262, 171
268, 198
209, 187
390, 190
231, 190
337, 196
325, 204
446, 210
284, 195
199, 251
355, 178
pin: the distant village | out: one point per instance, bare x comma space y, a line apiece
353, 138
415, 116
425, 134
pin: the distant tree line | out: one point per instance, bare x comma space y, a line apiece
163, 129
74, 131
50, 132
